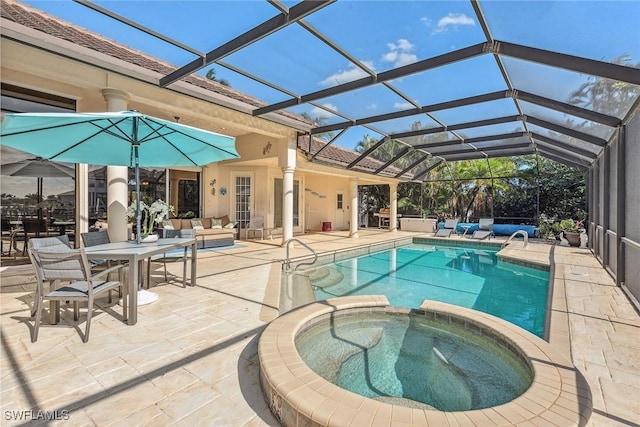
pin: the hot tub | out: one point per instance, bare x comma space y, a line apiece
299, 396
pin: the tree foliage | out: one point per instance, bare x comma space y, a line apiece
211, 75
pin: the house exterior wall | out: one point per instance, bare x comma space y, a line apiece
320, 194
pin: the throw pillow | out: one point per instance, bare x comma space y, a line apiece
230, 225
216, 223
167, 224
196, 224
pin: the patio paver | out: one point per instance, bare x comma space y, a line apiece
192, 357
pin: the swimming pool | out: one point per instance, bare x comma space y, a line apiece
467, 276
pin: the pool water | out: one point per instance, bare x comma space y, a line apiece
470, 277
402, 358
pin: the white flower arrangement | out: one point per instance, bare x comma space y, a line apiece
151, 214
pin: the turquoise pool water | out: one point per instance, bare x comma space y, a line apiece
470, 277
391, 357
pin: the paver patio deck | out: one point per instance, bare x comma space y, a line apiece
192, 357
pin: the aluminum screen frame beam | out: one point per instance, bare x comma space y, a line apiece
559, 144
425, 64
565, 130
395, 158
295, 13
565, 156
491, 96
478, 155
573, 110
367, 152
568, 62
427, 170
563, 160
422, 159
498, 147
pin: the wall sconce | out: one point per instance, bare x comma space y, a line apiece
212, 183
267, 148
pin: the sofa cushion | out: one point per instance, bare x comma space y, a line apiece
196, 224
185, 223
216, 223
206, 222
167, 224
224, 220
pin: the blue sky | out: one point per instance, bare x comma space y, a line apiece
381, 35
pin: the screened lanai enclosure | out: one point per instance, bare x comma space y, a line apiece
424, 83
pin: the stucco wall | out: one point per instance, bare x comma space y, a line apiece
320, 194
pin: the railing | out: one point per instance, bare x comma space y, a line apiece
287, 262
516, 233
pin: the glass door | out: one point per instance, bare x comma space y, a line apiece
242, 190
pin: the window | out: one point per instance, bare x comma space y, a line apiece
339, 200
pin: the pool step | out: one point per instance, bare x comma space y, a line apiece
324, 277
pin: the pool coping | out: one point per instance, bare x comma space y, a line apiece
559, 394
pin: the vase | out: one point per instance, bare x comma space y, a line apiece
150, 238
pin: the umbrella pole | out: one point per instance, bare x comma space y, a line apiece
137, 177
144, 296
39, 198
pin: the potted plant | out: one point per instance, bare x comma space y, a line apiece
569, 229
152, 215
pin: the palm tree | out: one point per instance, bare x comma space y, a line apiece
319, 121
607, 96
211, 75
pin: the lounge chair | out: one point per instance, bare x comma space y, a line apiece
485, 229
449, 227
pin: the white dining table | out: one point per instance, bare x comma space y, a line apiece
136, 254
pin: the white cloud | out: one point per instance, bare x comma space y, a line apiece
319, 113
372, 106
402, 105
453, 20
399, 53
349, 74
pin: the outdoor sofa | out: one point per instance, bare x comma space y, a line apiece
215, 232
498, 229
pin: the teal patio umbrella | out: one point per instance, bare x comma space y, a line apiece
126, 138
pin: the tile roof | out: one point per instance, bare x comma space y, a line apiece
338, 156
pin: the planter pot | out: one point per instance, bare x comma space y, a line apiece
152, 238
573, 237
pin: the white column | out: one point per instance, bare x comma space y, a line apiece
287, 151
117, 177
287, 204
82, 201
353, 223
393, 197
